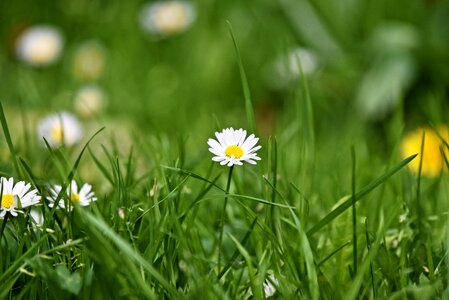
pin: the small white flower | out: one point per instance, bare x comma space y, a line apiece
232, 147
89, 61
167, 17
287, 68
37, 216
60, 128
40, 45
16, 196
89, 100
85, 196
269, 286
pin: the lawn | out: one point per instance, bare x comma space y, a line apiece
287, 149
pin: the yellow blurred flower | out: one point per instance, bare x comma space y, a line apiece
432, 160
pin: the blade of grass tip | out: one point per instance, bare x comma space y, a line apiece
312, 277
18, 262
255, 287
368, 247
332, 254
191, 174
246, 91
309, 128
58, 160
443, 154
259, 200
120, 243
354, 214
359, 195
236, 254
75, 165
354, 289
129, 167
418, 182
8, 139
102, 168
28, 171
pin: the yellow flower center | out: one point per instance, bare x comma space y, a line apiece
75, 198
56, 133
235, 151
7, 200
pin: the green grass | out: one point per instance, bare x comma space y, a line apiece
331, 211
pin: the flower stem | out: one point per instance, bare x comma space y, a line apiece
222, 221
3, 226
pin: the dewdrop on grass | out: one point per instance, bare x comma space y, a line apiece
39, 45
167, 17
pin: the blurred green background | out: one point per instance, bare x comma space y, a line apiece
371, 60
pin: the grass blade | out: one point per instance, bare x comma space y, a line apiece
359, 195
246, 92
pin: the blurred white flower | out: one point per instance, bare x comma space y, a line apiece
37, 216
85, 196
16, 196
39, 45
287, 68
167, 17
89, 61
232, 147
89, 100
60, 128
269, 286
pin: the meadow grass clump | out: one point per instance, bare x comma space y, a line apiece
148, 152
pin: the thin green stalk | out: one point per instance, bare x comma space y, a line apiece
418, 185
222, 221
368, 247
3, 226
354, 214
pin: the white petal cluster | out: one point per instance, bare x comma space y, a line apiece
60, 128
84, 197
39, 45
233, 147
16, 196
167, 17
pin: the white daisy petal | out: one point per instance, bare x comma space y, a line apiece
16, 196
85, 196
232, 147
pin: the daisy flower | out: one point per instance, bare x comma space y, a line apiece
287, 68
89, 100
60, 128
82, 197
232, 147
432, 159
40, 45
16, 196
89, 61
167, 17
269, 286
